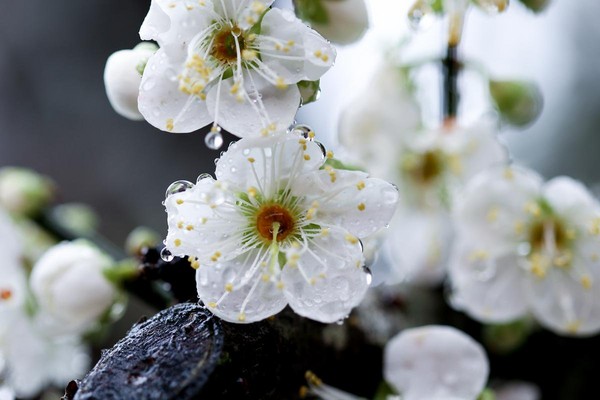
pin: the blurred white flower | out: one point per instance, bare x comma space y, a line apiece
122, 77
428, 363
6, 393
277, 227
435, 363
13, 283
69, 285
341, 21
34, 361
233, 62
525, 246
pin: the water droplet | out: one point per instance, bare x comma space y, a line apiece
369, 274
166, 255
202, 177
322, 147
178, 187
214, 139
236, 31
420, 15
340, 321
301, 130
524, 248
362, 246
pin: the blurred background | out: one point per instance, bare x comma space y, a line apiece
56, 119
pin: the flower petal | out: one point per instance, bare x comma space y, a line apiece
267, 163
435, 362
262, 108
348, 21
324, 280
204, 223
572, 200
350, 199
241, 290
494, 204
162, 103
418, 245
173, 23
291, 49
487, 284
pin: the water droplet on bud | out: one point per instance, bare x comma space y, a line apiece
367, 271
178, 187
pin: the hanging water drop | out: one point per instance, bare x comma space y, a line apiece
302, 130
202, 177
214, 139
420, 15
369, 274
166, 255
178, 187
322, 147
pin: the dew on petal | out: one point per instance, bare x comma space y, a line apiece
178, 187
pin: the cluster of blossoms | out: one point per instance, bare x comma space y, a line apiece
47, 303
278, 226
382, 132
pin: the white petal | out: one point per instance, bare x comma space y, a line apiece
477, 147
203, 222
564, 303
162, 103
122, 81
487, 284
418, 245
265, 104
291, 49
327, 280
350, 199
347, 21
435, 362
571, 199
494, 203
275, 160
173, 24
254, 296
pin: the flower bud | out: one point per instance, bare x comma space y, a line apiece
23, 191
535, 5
122, 77
139, 238
341, 21
69, 284
518, 102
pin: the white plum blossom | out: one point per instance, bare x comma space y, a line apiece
341, 21
235, 63
6, 393
427, 363
69, 285
435, 363
528, 246
122, 77
13, 282
278, 227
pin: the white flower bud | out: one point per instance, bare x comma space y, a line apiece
23, 191
122, 77
341, 21
69, 284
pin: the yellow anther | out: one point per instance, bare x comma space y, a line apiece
169, 125
361, 207
203, 220
310, 213
195, 264
492, 214
242, 317
249, 55
172, 5
478, 255
189, 227
329, 154
177, 242
533, 208
280, 83
252, 192
189, 8
303, 392
311, 134
215, 257
573, 326
212, 304
312, 281
595, 227
306, 157
322, 275
563, 260
351, 239
251, 159
234, 88
266, 277
571, 234
324, 232
180, 225
313, 379
586, 281
519, 227
229, 287
360, 185
179, 201
280, 285
509, 174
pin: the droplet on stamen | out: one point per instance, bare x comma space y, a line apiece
214, 139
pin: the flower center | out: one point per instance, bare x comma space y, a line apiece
274, 219
424, 168
548, 233
224, 48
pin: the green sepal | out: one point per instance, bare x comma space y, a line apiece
487, 394
337, 164
535, 5
384, 390
121, 271
505, 338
